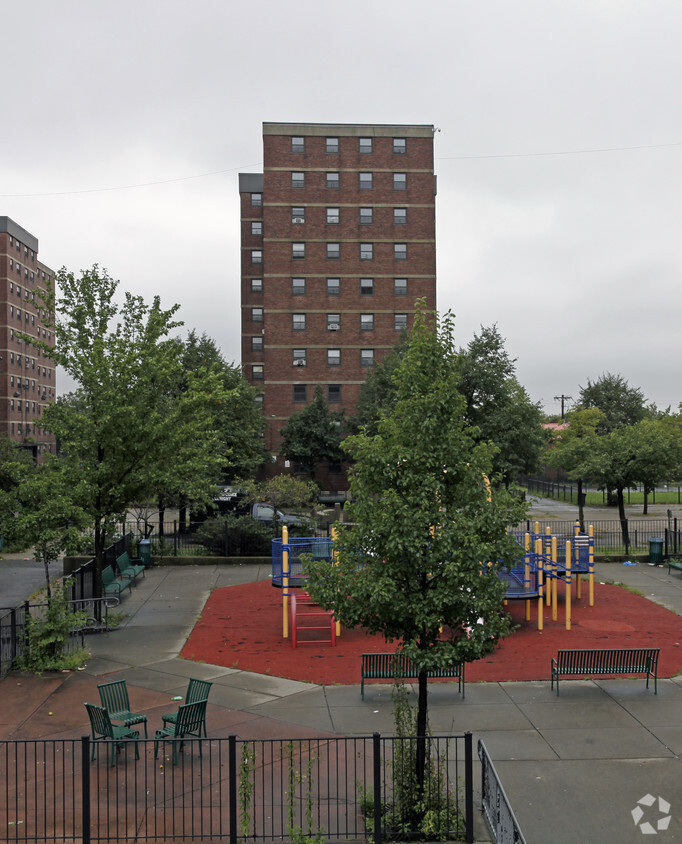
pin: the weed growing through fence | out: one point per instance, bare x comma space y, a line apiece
48, 634
246, 788
434, 815
297, 779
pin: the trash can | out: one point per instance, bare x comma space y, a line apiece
656, 551
144, 551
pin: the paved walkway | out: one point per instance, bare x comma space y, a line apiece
573, 767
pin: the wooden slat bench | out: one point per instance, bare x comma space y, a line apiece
381, 666
581, 663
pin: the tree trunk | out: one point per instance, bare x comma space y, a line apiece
99, 559
623, 520
162, 514
182, 518
581, 505
645, 510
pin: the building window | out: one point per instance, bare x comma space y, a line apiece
298, 250
334, 467
367, 286
298, 144
366, 251
399, 321
333, 216
257, 372
366, 216
256, 200
366, 357
399, 146
399, 181
333, 250
257, 344
256, 314
332, 180
333, 286
400, 251
400, 286
256, 285
298, 322
400, 216
334, 393
333, 357
298, 214
367, 322
298, 357
298, 286
256, 256
365, 145
297, 180
332, 145
366, 181
256, 227
333, 322
300, 392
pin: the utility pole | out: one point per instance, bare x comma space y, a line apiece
562, 398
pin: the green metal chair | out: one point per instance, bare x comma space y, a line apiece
188, 722
114, 698
104, 730
196, 690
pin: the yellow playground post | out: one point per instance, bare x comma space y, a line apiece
285, 582
541, 597
568, 584
590, 531
335, 560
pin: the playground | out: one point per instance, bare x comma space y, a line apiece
249, 627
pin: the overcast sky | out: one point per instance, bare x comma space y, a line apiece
559, 155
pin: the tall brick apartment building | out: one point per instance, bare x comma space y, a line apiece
338, 242
27, 380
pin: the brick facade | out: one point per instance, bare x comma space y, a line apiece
338, 243
27, 379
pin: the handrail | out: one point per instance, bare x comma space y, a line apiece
495, 803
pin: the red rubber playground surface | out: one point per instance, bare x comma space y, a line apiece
241, 627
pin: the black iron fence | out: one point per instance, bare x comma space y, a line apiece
344, 789
608, 533
496, 807
566, 491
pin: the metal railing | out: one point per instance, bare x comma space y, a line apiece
496, 807
608, 535
345, 789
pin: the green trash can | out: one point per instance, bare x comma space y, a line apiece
655, 551
144, 551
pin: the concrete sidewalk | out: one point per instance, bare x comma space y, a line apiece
573, 767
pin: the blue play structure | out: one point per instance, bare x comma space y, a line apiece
320, 549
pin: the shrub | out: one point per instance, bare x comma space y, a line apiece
237, 536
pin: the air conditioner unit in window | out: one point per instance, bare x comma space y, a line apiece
299, 362
297, 220
333, 326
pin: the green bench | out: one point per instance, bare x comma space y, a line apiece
582, 663
383, 666
129, 568
111, 586
674, 563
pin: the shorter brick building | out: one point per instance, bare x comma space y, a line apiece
27, 378
338, 243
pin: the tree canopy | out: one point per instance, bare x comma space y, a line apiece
138, 421
620, 403
418, 560
314, 435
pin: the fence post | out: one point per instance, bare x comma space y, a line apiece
85, 788
376, 744
232, 789
469, 786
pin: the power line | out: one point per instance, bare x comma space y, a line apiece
559, 152
129, 187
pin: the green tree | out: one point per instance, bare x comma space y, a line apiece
48, 519
418, 560
314, 435
377, 393
500, 407
620, 403
128, 432
571, 447
657, 448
